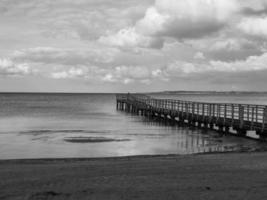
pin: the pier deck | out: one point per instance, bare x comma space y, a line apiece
239, 117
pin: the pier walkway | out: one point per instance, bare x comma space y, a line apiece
239, 117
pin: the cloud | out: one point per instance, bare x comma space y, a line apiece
228, 48
121, 74
126, 42
127, 74
254, 26
253, 8
199, 55
186, 19
66, 56
71, 73
77, 20
252, 12
182, 69
9, 68
130, 38
252, 63
175, 19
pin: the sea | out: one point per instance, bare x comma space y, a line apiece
44, 125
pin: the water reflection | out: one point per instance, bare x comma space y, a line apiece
192, 140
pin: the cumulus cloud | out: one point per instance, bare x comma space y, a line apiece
180, 68
175, 19
229, 48
71, 73
226, 44
186, 19
9, 68
130, 38
199, 55
142, 74
68, 56
252, 63
254, 26
77, 20
253, 8
121, 74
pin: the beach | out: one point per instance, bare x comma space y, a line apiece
199, 176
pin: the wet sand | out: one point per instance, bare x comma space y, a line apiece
205, 176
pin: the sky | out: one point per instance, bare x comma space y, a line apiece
132, 45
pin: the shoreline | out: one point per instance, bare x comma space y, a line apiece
130, 157
70, 159
198, 176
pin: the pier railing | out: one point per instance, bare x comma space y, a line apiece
239, 116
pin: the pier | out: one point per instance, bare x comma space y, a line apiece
221, 116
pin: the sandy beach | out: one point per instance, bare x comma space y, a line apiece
202, 176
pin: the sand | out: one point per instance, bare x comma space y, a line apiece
206, 176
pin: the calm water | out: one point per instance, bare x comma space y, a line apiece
88, 125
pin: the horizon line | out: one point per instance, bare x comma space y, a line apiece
165, 91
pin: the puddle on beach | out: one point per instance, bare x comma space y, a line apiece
81, 139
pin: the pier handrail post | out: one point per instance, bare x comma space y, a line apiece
186, 110
241, 116
128, 96
203, 110
252, 118
209, 109
233, 114
256, 120
225, 114
248, 112
264, 118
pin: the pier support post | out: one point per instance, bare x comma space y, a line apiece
221, 129
142, 112
174, 120
241, 132
211, 126
166, 118
241, 116
227, 128
263, 136
193, 123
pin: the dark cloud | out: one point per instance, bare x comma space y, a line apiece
189, 29
253, 12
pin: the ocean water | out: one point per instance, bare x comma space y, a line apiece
88, 125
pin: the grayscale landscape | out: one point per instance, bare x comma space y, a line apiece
130, 99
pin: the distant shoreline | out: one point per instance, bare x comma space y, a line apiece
208, 92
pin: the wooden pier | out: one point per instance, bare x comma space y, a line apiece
224, 116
